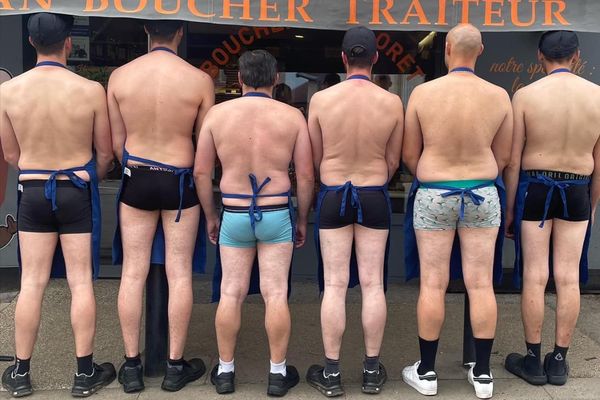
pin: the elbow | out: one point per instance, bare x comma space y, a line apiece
201, 177
104, 157
12, 159
393, 166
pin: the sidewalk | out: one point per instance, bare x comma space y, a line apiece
53, 361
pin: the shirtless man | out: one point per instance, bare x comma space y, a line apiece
356, 132
255, 139
555, 151
458, 141
51, 120
154, 103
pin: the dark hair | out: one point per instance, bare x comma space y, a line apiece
258, 68
50, 49
163, 31
360, 58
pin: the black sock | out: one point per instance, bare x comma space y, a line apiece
428, 354
371, 363
132, 362
558, 362
85, 365
332, 367
22, 366
483, 352
533, 361
176, 363
560, 353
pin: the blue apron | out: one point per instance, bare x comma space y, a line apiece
411, 252
255, 213
355, 203
158, 245
58, 263
524, 181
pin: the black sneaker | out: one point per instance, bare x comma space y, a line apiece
279, 384
132, 378
556, 376
16, 385
86, 385
330, 385
373, 380
178, 376
224, 383
515, 364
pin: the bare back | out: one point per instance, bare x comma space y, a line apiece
255, 136
159, 98
51, 111
357, 120
460, 116
562, 123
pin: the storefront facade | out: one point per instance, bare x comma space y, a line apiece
305, 36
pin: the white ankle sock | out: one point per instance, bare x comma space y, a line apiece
225, 367
279, 368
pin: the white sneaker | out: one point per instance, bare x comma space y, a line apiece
424, 384
484, 384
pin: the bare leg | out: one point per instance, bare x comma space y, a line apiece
567, 240
274, 261
535, 245
37, 251
180, 240
137, 232
477, 247
77, 250
336, 249
370, 254
435, 248
236, 264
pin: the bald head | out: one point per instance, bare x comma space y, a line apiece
464, 40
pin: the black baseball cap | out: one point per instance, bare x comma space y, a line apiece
47, 29
559, 44
359, 42
162, 27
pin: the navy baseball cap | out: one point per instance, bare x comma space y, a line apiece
46, 29
359, 42
559, 44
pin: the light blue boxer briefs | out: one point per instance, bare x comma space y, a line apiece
274, 227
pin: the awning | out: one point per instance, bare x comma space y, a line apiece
413, 15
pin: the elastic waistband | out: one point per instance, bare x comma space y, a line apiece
557, 175
461, 184
246, 209
42, 183
150, 168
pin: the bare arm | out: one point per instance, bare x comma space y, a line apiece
204, 165
102, 137
596, 179
208, 101
413, 137
393, 152
512, 171
10, 146
305, 175
316, 136
117, 125
502, 144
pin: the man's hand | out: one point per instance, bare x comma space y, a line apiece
300, 233
212, 229
509, 226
